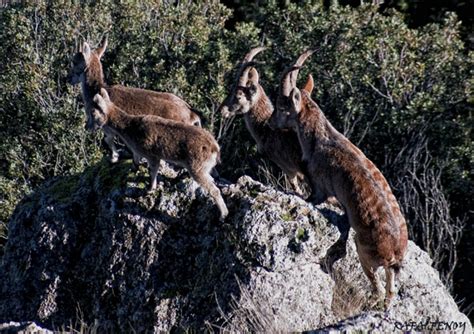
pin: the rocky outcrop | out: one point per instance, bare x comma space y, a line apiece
96, 249
24, 327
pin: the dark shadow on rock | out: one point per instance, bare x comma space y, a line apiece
337, 250
197, 266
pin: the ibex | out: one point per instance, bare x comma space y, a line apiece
156, 138
87, 70
248, 98
338, 168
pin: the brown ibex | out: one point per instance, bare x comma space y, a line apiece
156, 138
248, 98
338, 168
87, 70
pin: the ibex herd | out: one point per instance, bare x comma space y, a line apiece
295, 135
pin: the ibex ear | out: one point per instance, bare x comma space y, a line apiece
295, 97
99, 100
309, 85
100, 50
252, 81
86, 51
253, 77
104, 94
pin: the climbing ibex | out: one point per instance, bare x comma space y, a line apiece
87, 70
156, 138
337, 168
248, 97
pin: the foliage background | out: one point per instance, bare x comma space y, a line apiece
401, 91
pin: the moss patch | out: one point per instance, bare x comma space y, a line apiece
286, 217
62, 189
110, 177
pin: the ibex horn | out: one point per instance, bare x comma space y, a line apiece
246, 63
299, 63
289, 76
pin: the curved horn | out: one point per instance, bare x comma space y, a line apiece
285, 86
309, 85
103, 45
245, 66
299, 63
288, 78
252, 53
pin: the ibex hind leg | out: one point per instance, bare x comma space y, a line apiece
389, 286
369, 271
294, 181
205, 180
376, 288
109, 140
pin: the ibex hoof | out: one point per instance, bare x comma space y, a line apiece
374, 300
387, 301
114, 159
223, 215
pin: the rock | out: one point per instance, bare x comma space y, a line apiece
24, 327
96, 249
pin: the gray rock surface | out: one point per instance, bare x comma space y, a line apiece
23, 327
96, 249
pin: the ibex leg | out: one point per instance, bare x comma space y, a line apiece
109, 140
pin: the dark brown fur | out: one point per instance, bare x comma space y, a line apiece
156, 138
338, 168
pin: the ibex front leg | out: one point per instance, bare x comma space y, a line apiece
109, 140
206, 181
154, 167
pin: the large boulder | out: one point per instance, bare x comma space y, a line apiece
97, 249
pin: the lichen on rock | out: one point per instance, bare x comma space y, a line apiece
100, 246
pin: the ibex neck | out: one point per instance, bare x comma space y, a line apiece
256, 119
118, 119
92, 82
313, 121
263, 108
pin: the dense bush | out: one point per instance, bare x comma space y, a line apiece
401, 94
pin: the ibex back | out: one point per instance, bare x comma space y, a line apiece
338, 168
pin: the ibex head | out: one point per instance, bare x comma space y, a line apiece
245, 92
289, 101
86, 58
99, 115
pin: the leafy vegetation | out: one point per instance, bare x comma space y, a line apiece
401, 94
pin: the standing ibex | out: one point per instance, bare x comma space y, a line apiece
248, 97
87, 70
156, 138
336, 167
